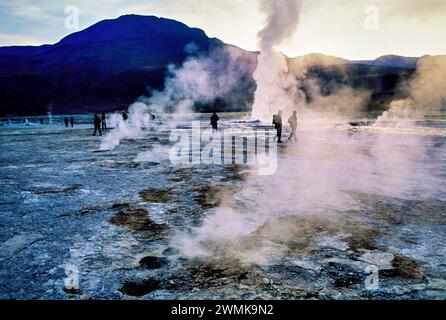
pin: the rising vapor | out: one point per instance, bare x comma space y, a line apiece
275, 86
426, 93
201, 78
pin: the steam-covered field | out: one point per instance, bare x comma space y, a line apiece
345, 201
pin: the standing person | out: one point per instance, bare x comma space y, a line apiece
104, 124
277, 122
97, 125
66, 122
124, 116
72, 121
292, 120
214, 121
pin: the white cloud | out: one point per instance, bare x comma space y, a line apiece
10, 40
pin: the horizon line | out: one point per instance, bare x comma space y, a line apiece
253, 51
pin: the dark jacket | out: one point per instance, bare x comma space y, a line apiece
97, 121
277, 121
214, 119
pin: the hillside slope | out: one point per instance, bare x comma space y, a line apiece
110, 64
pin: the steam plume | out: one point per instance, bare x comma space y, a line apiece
317, 181
202, 77
426, 93
275, 86
314, 187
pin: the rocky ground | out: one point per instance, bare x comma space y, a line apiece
67, 208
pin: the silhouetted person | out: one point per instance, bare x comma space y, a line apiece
277, 122
97, 125
124, 116
41, 121
214, 121
72, 121
292, 120
66, 122
103, 122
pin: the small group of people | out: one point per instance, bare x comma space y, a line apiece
100, 123
66, 120
292, 120
277, 122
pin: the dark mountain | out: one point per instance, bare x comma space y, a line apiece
384, 81
391, 61
108, 65
112, 61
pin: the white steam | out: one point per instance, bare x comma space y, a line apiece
320, 178
317, 180
276, 88
280, 80
133, 128
426, 94
201, 78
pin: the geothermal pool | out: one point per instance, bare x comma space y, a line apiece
352, 212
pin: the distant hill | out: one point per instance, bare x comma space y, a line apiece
111, 61
108, 65
383, 78
391, 61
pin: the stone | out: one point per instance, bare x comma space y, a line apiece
245, 281
151, 262
404, 267
71, 290
344, 275
136, 219
437, 284
18, 243
170, 251
333, 243
138, 289
156, 195
383, 260
308, 265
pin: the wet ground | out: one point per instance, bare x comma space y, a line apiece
108, 221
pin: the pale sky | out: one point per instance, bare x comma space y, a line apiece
334, 27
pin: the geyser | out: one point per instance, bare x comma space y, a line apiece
275, 87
